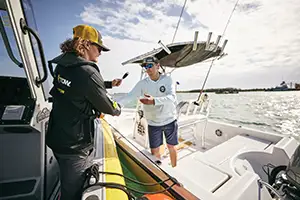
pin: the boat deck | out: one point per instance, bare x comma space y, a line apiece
212, 165
215, 162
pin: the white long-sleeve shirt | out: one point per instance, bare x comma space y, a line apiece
164, 94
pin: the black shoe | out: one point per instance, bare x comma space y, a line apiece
158, 162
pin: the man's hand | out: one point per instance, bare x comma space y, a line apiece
116, 82
148, 100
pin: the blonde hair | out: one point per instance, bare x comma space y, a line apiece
76, 45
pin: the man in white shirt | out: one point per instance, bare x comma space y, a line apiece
158, 95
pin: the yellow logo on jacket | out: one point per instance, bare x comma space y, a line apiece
64, 81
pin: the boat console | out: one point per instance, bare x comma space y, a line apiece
16, 104
25, 160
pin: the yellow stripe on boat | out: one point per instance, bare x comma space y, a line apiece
112, 164
106, 157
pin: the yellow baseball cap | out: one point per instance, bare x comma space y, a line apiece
89, 33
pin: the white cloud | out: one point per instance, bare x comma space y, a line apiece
263, 47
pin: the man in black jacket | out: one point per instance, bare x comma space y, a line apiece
79, 96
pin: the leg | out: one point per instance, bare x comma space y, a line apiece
155, 152
162, 149
171, 133
72, 178
155, 139
173, 154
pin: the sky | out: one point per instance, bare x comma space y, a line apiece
263, 37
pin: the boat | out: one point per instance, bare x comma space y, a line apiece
216, 160
28, 168
282, 87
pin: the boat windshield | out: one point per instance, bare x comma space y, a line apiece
9, 54
11, 62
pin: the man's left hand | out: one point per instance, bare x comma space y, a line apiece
148, 100
116, 82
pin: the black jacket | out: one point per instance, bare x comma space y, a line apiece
79, 95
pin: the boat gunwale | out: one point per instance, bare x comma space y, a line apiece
177, 191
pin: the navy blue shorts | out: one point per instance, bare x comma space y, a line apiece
156, 134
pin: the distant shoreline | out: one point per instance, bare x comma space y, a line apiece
234, 90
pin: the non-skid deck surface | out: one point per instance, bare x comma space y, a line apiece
223, 152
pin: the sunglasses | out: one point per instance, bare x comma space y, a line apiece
98, 47
148, 65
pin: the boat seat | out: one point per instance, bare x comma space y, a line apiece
222, 153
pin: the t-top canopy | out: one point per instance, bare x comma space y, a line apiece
181, 54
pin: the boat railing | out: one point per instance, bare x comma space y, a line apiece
189, 115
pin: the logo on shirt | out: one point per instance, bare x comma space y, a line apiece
162, 89
64, 81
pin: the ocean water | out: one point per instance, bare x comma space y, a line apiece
270, 111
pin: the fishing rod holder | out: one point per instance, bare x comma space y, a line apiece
223, 47
195, 45
164, 47
222, 54
208, 41
214, 46
217, 43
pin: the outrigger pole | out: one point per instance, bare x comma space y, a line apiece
207, 47
222, 50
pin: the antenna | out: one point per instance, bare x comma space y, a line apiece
179, 21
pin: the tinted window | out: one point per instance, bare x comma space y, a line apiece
8, 66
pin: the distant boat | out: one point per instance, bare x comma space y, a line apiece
282, 87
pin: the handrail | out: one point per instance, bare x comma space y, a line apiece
26, 29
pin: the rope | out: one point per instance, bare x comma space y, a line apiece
127, 189
179, 21
135, 181
93, 171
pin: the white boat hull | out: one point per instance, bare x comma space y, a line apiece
216, 160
